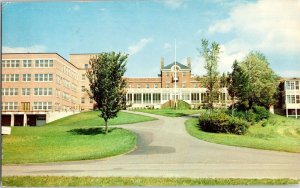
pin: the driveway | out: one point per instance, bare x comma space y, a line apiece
165, 149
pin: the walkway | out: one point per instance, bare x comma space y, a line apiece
165, 149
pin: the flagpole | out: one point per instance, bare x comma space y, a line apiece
175, 77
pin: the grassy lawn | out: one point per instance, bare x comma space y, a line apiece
170, 112
135, 181
76, 137
282, 134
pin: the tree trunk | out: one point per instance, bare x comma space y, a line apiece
106, 127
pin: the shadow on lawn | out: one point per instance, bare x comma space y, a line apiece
176, 114
90, 131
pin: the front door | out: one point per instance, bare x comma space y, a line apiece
25, 106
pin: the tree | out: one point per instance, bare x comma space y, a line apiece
107, 87
211, 57
253, 81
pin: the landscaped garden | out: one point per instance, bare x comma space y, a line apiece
170, 112
277, 133
135, 181
77, 137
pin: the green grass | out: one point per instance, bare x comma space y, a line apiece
135, 181
170, 112
281, 134
76, 137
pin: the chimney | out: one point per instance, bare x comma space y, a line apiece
189, 62
162, 62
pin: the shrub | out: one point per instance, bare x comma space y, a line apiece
220, 122
261, 113
182, 105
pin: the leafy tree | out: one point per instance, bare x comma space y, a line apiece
211, 57
106, 83
253, 82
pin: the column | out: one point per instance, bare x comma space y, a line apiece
151, 98
132, 98
25, 120
12, 120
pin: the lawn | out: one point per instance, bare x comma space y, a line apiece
76, 137
170, 112
135, 181
281, 134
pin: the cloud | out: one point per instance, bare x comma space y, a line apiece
76, 7
167, 46
30, 49
173, 4
135, 48
265, 25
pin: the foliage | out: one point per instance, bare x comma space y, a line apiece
59, 181
106, 83
181, 105
280, 134
220, 122
261, 113
253, 82
75, 137
211, 57
255, 114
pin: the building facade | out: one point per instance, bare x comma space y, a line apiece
42, 87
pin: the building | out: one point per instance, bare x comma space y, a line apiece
38, 88
291, 95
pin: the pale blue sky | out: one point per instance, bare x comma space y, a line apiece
147, 31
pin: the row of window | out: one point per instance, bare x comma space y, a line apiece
26, 77
65, 96
292, 85
66, 70
83, 100
66, 83
42, 105
9, 106
156, 85
27, 63
168, 74
26, 91
293, 99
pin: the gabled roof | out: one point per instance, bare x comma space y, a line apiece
181, 66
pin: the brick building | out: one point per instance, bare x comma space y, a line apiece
42, 87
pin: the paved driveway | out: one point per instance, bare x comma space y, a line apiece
165, 149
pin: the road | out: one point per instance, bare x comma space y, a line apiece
165, 149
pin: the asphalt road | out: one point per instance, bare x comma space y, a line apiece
165, 149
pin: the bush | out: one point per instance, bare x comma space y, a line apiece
261, 113
220, 122
181, 105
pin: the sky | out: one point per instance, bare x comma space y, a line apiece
147, 30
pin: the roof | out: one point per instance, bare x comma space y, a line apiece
181, 66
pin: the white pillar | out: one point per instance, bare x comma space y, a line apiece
12, 120
151, 98
25, 120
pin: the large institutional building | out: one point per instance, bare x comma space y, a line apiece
42, 87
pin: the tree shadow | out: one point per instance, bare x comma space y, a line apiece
90, 131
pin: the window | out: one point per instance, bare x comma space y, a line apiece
291, 99
167, 85
147, 85
10, 77
137, 98
44, 63
9, 106
91, 100
297, 84
183, 85
42, 91
139, 86
57, 93
86, 66
165, 96
26, 77
155, 85
3, 63
82, 100
26, 63
195, 97
83, 77
83, 88
156, 97
290, 85
9, 91
43, 77
184, 74
25, 91
297, 99
11, 63
147, 98
167, 74
42, 105
195, 85
185, 96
